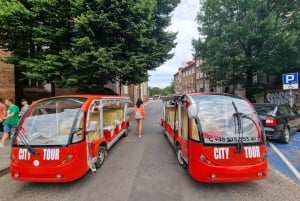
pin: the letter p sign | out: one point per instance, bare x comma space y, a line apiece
290, 81
289, 78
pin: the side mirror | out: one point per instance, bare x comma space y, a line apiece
92, 127
193, 110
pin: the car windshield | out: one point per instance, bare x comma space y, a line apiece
227, 119
52, 122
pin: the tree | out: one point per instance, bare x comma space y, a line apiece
163, 92
86, 44
154, 91
242, 38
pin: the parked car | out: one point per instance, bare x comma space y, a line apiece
280, 121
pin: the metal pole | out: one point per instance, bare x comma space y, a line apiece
291, 98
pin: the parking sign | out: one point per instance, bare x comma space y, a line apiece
290, 81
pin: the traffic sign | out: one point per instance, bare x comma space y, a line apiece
290, 81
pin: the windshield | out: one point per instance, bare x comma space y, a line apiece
56, 121
227, 120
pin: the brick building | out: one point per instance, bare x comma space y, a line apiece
7, 78
190, 78
132, 91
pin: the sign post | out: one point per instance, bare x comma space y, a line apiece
290, 82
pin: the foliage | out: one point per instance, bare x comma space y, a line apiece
242, 38
162, 92
85, 44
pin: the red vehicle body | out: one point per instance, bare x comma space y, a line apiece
217, 137
59, 139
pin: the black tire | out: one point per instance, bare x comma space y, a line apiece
286, 135
102, 152
180, 159
126, 131
164, 132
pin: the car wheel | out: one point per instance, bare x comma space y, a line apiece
180, 159
286, 135
164, 132
101, 156
126, 132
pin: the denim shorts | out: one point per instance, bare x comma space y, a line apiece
7, 128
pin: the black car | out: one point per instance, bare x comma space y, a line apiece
279, 120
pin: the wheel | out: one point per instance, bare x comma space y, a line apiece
180, 159
101, 156
164, 132
126, 131
286, 135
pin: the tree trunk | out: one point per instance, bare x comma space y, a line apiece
19, 88
249, 85
52, 93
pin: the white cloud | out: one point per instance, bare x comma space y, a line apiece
183, 22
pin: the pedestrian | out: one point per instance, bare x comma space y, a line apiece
139, 115
10, 120
226, 90
2, 113
24, 107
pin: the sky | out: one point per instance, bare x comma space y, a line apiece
184, 22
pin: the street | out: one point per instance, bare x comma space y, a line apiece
286, 157
146, 169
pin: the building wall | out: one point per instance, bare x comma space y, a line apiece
132, 91
7, 78
190, 78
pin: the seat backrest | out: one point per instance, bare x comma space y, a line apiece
118, 112
109, 117
94, 117
65, 126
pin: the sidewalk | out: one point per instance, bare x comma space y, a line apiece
5, 157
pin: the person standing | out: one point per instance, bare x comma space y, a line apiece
139, 115
2, 113
25, 106
10, 120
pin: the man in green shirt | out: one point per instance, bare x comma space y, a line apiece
10, 120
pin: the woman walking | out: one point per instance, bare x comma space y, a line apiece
139, 115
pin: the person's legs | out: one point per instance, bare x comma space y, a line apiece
140, 127
1, 127
6, 129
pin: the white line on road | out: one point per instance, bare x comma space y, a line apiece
285, 160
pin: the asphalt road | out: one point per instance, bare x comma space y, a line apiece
146, 170
286, 157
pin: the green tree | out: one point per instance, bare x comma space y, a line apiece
242, 38
162, 91
154, 91
84, 43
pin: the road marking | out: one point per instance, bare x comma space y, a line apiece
285, 160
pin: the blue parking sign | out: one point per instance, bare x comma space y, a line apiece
290, 81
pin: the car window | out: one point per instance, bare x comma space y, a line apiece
264, 109
284, 110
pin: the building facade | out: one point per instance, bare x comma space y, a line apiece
132, 91
190, 78
7, 78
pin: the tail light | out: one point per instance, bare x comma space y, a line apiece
271, 121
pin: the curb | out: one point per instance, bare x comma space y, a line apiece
4, 171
